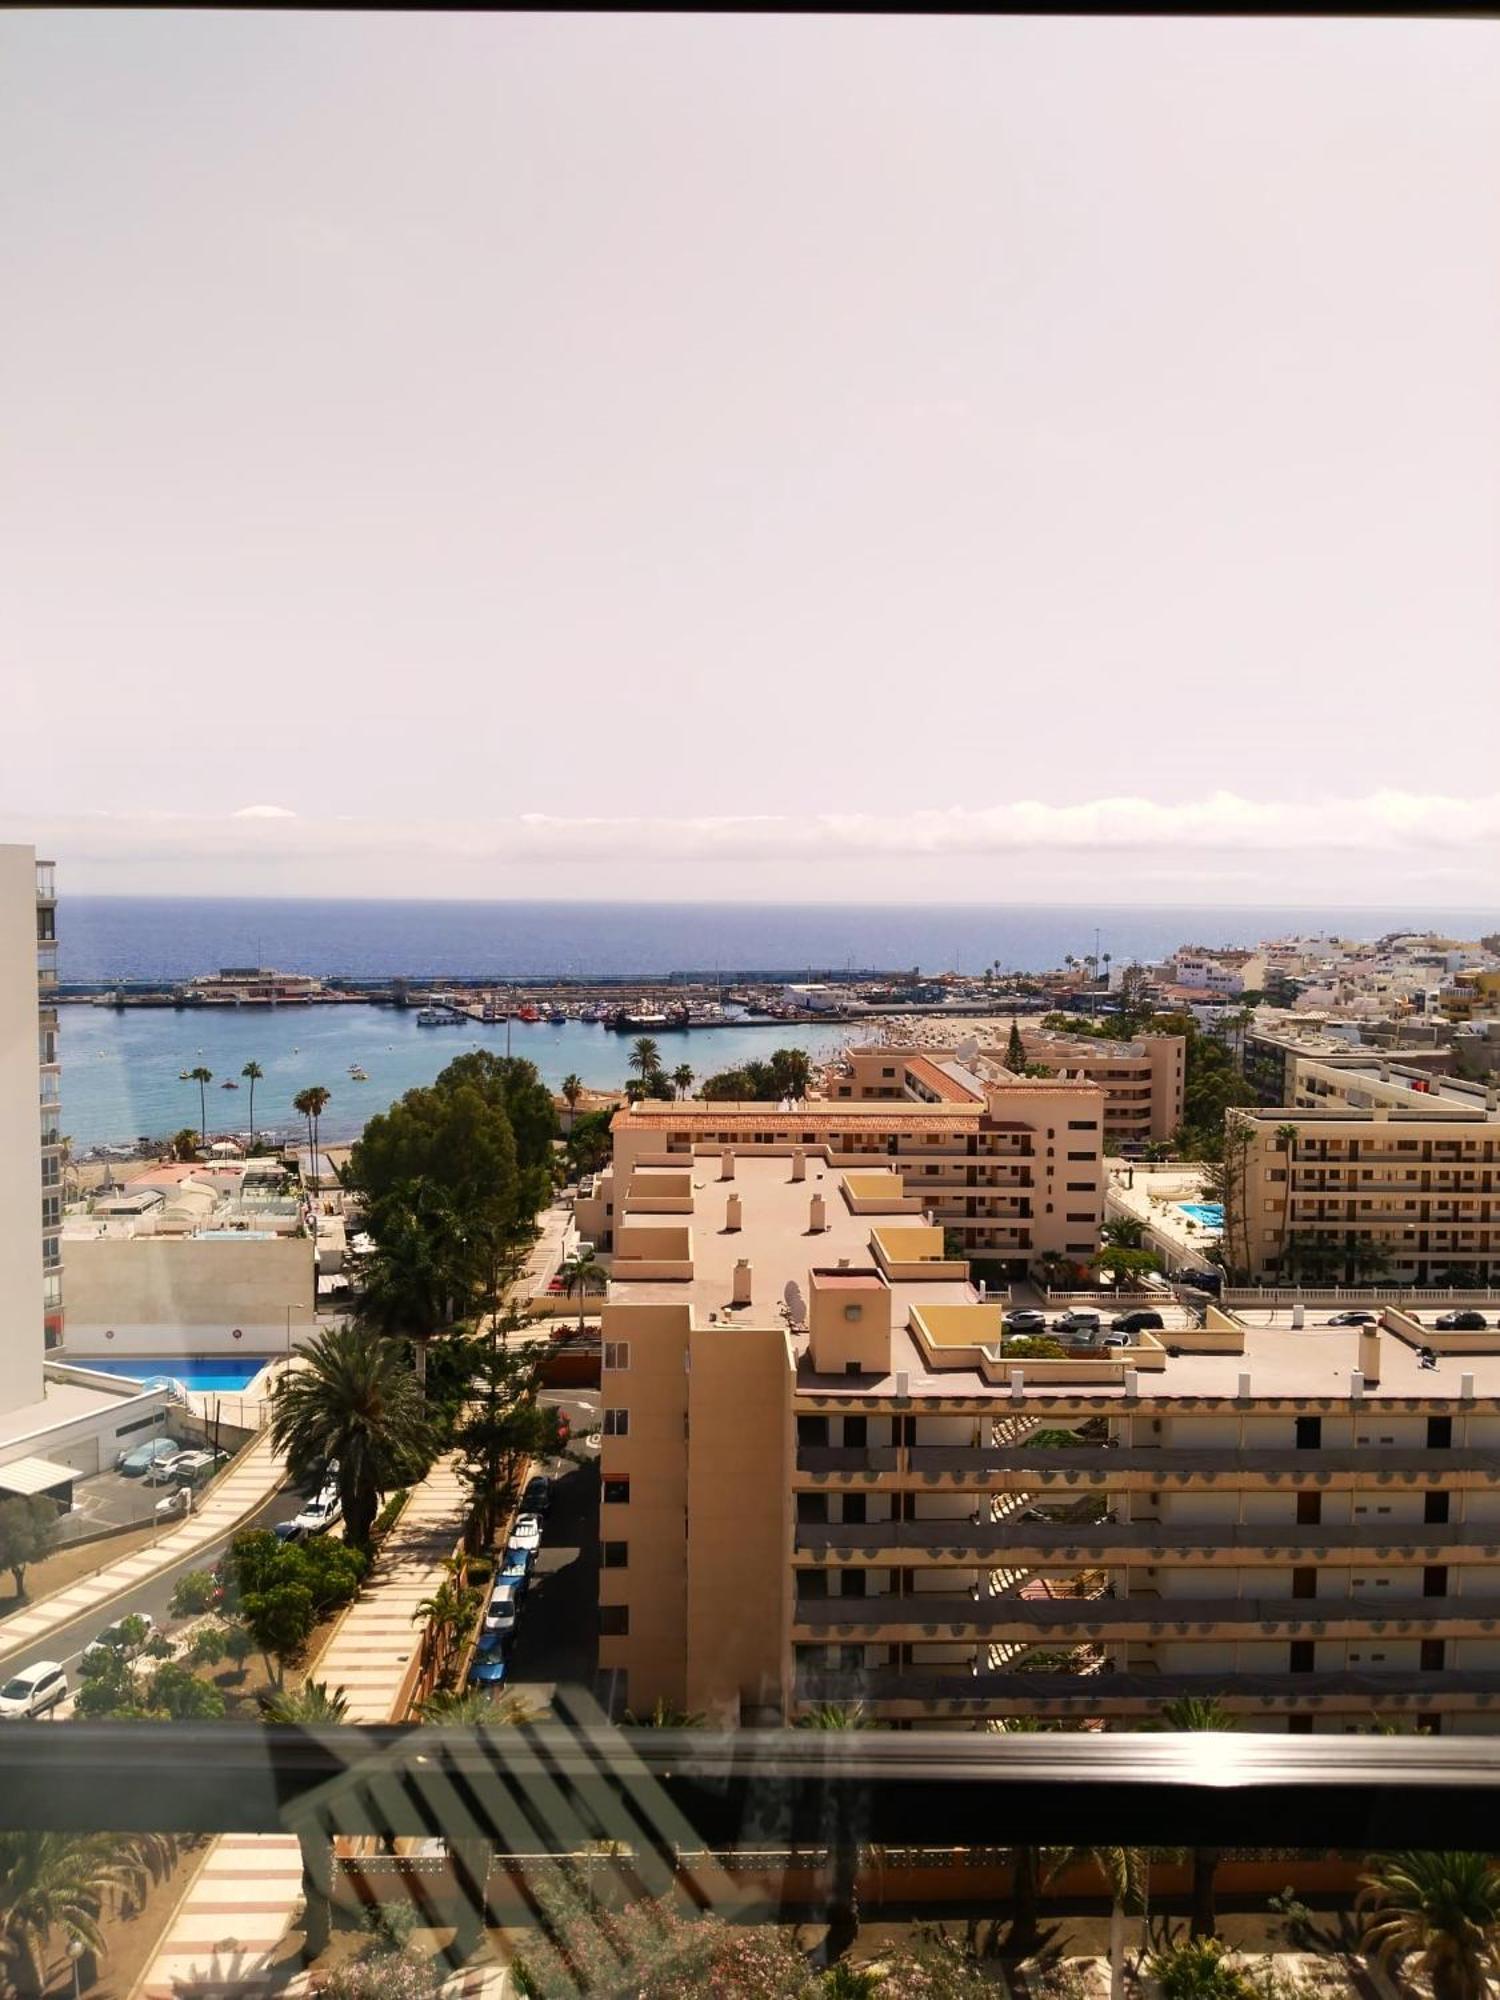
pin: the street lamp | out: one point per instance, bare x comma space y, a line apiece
75, 1953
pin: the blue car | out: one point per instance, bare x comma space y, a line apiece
517, 1556
514, 1575
488, 1672
493, 1642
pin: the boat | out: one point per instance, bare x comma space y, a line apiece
184, 1076
229, 1084
626, 1022
527, 1013
439, 1017
589, 1014
357, 1075
556, 1016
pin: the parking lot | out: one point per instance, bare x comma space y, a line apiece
557, 1630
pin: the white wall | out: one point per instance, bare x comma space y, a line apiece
189, 1291
20, 1136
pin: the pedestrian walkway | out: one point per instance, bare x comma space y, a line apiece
242, 1489
250, 1886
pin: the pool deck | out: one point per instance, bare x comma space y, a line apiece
1152, 1195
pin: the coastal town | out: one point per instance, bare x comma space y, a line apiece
1060, 1349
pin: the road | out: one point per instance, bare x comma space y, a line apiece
557, 1631
68, 1642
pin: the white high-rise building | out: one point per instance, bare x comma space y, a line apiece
29, 1132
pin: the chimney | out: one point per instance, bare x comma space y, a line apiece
1356, 1386
1369, 1354
799, 1164
733, 1213
1466, 1387
843, 1263
1131, 1379
817, 1215
1017, 1384
1242, 1394
726, 1164
741, 1293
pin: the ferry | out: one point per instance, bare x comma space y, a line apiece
439, 1017
627, 1022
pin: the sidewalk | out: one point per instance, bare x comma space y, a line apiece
225, 1937
253, 1480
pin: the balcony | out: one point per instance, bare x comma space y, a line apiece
992, 1468
891, 1694
895, 1544
933, 1615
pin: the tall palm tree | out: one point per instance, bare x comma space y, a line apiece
682, 1079
352, 1400
579, 1274
311, 1104
312, 1702
645, 1056
843, 1841
52, 1882
252, 1073
1200, 1712
572, 1090
1286, 1139
203, 1078
1442, 1908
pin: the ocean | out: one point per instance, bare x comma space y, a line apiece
140, 937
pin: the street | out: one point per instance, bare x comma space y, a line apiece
557, 1631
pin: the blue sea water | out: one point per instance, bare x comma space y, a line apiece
134, 937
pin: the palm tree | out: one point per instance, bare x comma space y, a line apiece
645, 1057
1200, 1712
203, 1078
843, 1841
580, 1273
1286, 1139
252, 1073
682, 1078
352, 1400
572, 1090
1445, 1909
312, 1702
53, 1882
312, 1103
473, 1708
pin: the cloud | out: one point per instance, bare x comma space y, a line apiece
1328, 849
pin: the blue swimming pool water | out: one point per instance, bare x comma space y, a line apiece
1210, 1214
224, 1372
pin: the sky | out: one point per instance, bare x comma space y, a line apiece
769, 458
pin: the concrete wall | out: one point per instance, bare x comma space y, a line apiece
20, 1136
146, 1289
91, 1443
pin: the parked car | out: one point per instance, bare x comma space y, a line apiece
518, 1556
537, 1497
1202, 1280
527, 1533
516, 1577
163, 1471
34, 1690
192, 1468
488, 1672
113, 1640
1354, 1318
1026, 1319
288, 1531
1081, 1319
320, 1513
493, 1643
137, 1462
1118, 1340
1463, 1321
178, 1501
1141, 1320
500, 1613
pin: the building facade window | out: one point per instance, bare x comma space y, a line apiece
616, 1490
616, 1423
616, 1354
614, 1555
614, 1621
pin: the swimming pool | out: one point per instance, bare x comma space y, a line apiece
226, 1373
1207, 1214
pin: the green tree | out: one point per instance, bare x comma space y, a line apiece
176, 1694
456, 1139
239, 1644
504, 1425
203, 1078
1443, 1909
28, 1528
312, 1702
352, 1400
645, 1056
184, 1146
1123, 1233
589, 1144
474, 1708
843, 1837
1015, 1048
192, 1593
426, 1271
790, 1073
572, 1090
682, 1079
1113, 1264
253, 1074
280, 1620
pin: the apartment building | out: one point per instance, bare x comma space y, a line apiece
1142, 1080
30, 1139
51, 1104
1275, 1043
1408, 1165
1014, 1169
826, 1476
1226, 973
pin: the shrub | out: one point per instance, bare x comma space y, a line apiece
1195, 1969
933, 1966
382, 1975
385, 1520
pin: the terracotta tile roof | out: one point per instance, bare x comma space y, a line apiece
948, 1088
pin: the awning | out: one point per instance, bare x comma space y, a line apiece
35, 1475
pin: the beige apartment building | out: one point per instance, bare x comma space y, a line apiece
827, 1476
1409, 1163
1013, 1168
1142, 1080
